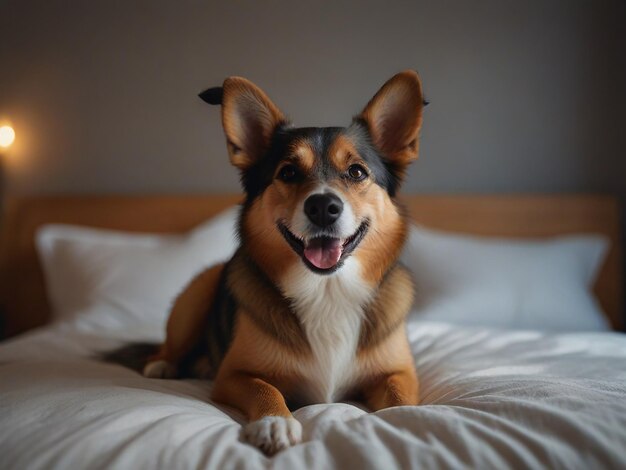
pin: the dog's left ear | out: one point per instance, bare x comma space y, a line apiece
394, 118
249, 118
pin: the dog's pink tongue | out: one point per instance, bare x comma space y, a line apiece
323, 253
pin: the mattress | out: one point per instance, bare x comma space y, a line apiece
489, 399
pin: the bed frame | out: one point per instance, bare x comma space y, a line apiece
23, 297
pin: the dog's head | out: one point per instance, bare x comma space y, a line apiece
319, 195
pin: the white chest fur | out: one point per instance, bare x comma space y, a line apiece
330, 309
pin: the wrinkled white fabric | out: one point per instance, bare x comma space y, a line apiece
490, 399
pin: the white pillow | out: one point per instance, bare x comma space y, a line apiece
125, 279
506, 283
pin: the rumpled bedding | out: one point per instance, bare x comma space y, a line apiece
489, 399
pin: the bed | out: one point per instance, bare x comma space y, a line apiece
491, 397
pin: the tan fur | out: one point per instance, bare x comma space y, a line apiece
184, 325
302, 153
255, 353
394, 117
391, 379
248, 118
398, 388
388, 310
378, 250
265, 244
265, 306
343, 153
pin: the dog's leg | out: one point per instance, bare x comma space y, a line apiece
271, 425
184, 325
394, 389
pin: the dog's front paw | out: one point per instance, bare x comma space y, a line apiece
272, 434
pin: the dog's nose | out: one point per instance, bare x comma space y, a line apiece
323, 209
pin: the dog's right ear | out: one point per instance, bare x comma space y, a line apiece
249, 118
394, 118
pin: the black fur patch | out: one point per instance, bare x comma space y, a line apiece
213, 95
258, 177
134, 356
386, 175
218, 328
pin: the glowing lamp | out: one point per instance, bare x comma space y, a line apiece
7, 136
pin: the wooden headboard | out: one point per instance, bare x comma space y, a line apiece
22, 292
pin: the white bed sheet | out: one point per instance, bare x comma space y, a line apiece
490, 399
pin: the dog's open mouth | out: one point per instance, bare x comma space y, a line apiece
324, 254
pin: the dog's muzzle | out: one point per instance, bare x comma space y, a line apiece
324, 254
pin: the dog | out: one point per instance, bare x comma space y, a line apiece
311, 307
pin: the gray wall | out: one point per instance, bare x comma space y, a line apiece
524, 95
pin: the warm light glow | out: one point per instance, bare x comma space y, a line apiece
7, 136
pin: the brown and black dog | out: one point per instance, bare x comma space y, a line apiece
311, 307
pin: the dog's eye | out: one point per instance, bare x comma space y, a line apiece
288, 173
357, 172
